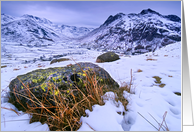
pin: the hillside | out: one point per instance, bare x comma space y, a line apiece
35, 31
134, 33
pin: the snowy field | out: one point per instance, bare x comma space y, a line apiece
148, 98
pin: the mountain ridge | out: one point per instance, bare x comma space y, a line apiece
36, 31
134, 33
128, 33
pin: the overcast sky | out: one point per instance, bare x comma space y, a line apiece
85, 13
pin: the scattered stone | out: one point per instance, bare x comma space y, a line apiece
3, 66
177, 93
107, 57
59, 60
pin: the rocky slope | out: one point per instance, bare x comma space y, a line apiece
134, 33
36, 31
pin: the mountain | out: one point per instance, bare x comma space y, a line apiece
35, 31
6, 18
134, 33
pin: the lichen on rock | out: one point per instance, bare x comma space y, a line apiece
43, 82
107, 57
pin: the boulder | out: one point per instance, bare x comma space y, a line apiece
107, 57
42, 82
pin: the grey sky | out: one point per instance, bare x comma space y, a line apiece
85, 13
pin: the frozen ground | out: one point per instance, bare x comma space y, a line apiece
147, 98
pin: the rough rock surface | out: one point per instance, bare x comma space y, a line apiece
40, 82
107, 57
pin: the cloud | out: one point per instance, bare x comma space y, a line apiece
88, 13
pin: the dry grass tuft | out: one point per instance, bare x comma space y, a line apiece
161, 126
150, 59
139, 70
99, 61
125, 87
162, 85
158, 79
41, 66
16, 69
69, 65
69, 106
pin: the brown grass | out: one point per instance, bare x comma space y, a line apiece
150, 59
65, 114
99, 61
69, 65
41, 66
139, 70
161, 126
59, 60
16, 69
124, 87
162, 85
158, 79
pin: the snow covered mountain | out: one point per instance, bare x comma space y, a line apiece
35, 31
134, 33
6, 18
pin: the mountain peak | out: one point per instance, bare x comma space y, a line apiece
27, 16
6, 18
113, 18
146, 11
40, 20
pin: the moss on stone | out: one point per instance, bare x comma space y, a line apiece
107, 57
43, 86
44, 80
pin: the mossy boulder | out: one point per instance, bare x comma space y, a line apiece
107, 57
43, 82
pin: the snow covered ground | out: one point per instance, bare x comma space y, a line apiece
147, 100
